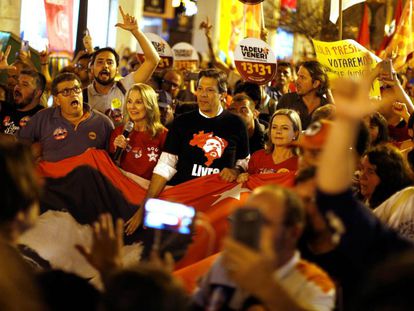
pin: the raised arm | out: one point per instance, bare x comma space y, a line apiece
4, 65
152, 58
352, 104
44, 67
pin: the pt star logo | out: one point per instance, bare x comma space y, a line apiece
231, 193
152, 156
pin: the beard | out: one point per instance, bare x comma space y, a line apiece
104, 82
23, 101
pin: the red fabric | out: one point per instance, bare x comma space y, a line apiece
262, 163
191, 274
364, 36
210, 195
143, 151
59, 18
397, 16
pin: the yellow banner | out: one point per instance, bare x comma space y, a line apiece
346, 58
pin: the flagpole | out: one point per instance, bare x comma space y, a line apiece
340, 19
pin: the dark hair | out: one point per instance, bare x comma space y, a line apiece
144, 288
305, 174
218, 75
67, 291
326, 112
85, 56
318, 73
178, 72
37, 76
20, 186
62, 77
250, 89
281, 63
391, 170
241, 97
106, 49
377, 120
363, 139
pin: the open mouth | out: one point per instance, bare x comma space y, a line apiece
104, 74
17, 94
74, 103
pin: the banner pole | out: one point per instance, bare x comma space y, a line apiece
340, 19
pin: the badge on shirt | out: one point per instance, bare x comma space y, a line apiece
6, 121
60, 133
137, 152
153, 154
23, 121
92, 135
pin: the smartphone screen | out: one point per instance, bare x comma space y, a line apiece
165, 215
25, 45
246, 225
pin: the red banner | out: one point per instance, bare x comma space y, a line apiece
59, 16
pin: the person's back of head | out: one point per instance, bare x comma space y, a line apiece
144, 288
67, 291
250, 89
20, 190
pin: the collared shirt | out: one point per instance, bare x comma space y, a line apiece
61, 139
114, 99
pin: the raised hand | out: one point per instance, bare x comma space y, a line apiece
4, 65
130, 22
44, 56
87, 41
206, 26
107, 243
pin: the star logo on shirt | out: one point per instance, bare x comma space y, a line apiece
152, 156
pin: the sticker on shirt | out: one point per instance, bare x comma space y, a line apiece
6, 121
136, 152
272, 171
23, 121
153, 153
60, 133
92, 135
213, 146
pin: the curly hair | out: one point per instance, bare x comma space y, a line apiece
391, 170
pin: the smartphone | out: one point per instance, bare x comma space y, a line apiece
386, 68
170, 216
25, 46
246, 225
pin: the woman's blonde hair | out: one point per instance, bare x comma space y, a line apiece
150, 100
296, 123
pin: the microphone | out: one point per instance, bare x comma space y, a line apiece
129, 126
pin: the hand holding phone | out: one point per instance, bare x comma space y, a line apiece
246, 225
387, 72
165, 215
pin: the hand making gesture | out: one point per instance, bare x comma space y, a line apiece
130, 22
4, 65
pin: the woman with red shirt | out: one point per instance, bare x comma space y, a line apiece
144, 145
279, 155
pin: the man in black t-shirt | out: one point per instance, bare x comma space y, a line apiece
311, 92
26, 95
199, 143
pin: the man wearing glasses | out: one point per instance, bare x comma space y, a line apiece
69, 128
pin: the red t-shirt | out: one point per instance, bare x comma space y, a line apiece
262, 163
142, 152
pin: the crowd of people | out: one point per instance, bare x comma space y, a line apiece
339, 239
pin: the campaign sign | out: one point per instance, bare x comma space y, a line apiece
255, 61
163, 49
347, 59
185, 57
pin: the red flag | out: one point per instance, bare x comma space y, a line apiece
363, 36
393, 26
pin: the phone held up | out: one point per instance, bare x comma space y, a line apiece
170, 216
246, 224
386, 68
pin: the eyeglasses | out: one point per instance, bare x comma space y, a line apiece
68, 92
171, 84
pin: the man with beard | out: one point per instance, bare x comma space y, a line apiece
27, 94
71, 127
104, 93
311, 92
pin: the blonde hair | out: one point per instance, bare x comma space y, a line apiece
150, 100
296, 123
